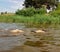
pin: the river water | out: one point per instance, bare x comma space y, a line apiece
28, 41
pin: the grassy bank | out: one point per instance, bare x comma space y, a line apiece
36, 20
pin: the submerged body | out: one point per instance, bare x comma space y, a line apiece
16, 31
39, 31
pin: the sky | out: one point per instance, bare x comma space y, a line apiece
10, 5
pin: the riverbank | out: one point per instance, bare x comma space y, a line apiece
33, 21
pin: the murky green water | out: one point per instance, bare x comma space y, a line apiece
28, 41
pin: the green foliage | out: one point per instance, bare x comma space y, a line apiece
30, 11
56, 12
26, 12
2, 13
33, 21
6, 12
40, 11
37, 3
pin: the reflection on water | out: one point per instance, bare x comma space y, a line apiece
8, 42
28, 41
35, 44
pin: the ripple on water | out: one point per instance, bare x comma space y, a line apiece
7, 43
29, 42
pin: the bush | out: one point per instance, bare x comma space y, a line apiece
41, 11
30, 11
6, 12
55, 13
26, 12
2, 13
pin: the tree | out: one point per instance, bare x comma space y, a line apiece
6, 12
2, 13
37, 3
32, 3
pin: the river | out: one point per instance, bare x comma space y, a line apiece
28, 41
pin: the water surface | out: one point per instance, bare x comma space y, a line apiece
28, 41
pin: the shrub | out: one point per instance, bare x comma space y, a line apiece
30, 11
2, 13
55, 13
26, 12
41, 11
6, 12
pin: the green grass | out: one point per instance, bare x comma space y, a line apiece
35, 21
